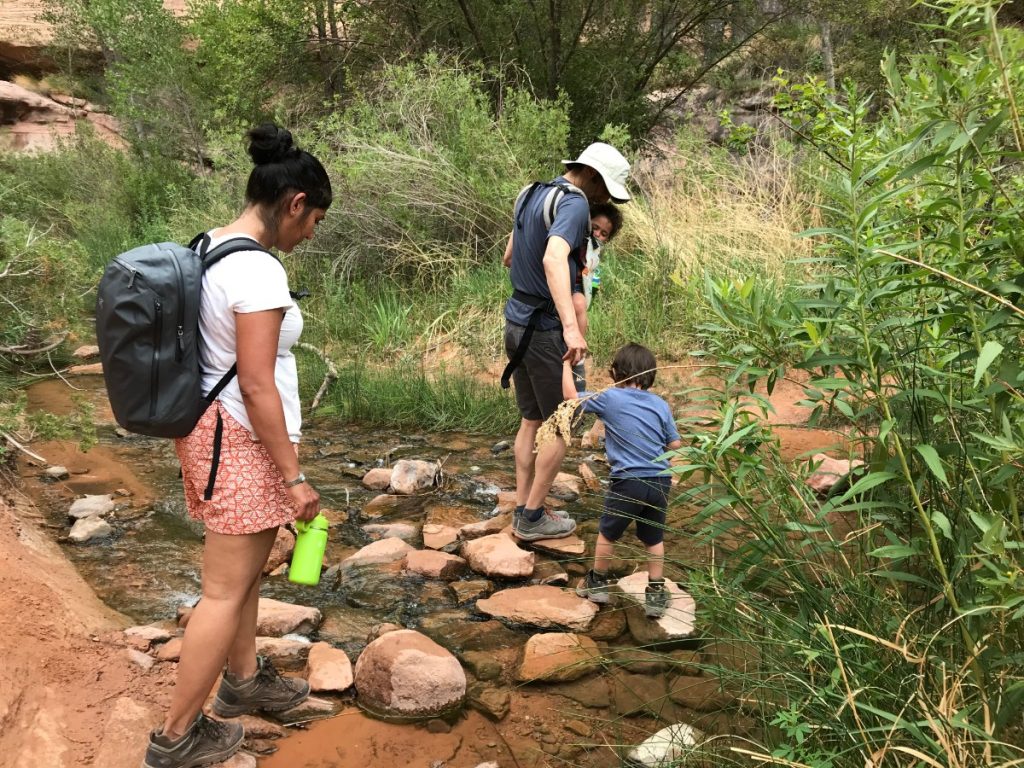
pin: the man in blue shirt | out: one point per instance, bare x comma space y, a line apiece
546, 252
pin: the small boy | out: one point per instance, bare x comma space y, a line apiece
639, 428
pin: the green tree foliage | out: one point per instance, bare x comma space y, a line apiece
428, 169
607, 57
252, 56
150, 76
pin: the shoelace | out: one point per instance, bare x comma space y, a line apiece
207, 726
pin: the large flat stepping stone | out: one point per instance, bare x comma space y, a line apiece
277, 618
558, 657
498, 556
569, 546
438, 536
89, 529
435, 565
677, 623
382, 505
540, 606
488, 527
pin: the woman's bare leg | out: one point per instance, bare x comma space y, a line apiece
231, 569
242, 656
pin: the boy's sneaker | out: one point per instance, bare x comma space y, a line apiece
594, 587
548, 526
206, 741
266, 691
656, 600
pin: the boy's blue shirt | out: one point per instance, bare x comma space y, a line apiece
638, 427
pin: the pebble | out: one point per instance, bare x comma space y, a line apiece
498, 447
56, 473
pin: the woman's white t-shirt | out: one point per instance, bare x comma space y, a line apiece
247, 281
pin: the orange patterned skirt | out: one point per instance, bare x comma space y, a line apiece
248, 492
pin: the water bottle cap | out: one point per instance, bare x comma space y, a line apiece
318, 523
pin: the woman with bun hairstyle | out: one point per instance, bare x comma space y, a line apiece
246, 316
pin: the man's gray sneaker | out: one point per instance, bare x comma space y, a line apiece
265, 691
206, 742
518, 516
548, 526
594, 587
656, 600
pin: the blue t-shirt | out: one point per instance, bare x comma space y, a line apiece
572, 224
638, 427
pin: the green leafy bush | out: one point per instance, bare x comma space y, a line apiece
902, 634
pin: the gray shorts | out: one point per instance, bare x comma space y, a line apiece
538, 378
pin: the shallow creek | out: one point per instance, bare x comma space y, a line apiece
150, 567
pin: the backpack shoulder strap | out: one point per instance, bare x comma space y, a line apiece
522, 199
201, 245
554, 198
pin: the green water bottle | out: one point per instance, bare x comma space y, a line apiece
308, 556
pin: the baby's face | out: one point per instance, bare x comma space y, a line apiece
601, 228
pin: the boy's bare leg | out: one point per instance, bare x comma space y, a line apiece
656, 562
525, 458
546, 466
603, 552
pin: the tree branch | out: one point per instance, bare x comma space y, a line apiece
20, 348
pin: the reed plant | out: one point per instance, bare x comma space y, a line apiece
889, 616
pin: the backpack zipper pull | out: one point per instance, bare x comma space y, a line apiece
181, 342
131, 279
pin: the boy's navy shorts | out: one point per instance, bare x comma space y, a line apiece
643, 499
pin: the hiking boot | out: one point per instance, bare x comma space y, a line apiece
656, 600
206, 741
594, 587
265, 691
548, 526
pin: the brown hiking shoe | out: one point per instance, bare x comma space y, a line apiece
265, 691
206, 741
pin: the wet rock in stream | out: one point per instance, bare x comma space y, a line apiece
678, 622
90, 529
405, 674
498, 556
540, 606
91, 506
410, 476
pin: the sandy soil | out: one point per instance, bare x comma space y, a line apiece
69, 695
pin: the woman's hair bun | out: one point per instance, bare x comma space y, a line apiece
270, 144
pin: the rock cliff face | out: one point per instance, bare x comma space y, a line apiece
36, 119
32, 122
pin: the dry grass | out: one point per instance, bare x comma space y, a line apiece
735, 215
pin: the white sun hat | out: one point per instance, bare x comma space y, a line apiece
609, 162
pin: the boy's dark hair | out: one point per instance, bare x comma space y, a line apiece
634, 364
612, 212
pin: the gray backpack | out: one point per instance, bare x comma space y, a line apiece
147, 328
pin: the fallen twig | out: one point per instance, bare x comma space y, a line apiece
20, 348
24, 450
331, 375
